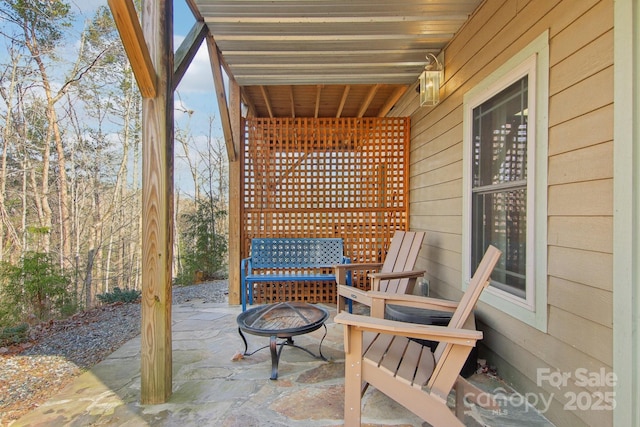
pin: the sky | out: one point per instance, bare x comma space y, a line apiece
198, 79
196, 89
195, 94
195, 100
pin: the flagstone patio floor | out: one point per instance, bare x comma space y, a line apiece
210, 388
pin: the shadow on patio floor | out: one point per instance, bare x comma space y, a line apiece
209, 388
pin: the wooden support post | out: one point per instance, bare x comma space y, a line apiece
235, 186
157, 208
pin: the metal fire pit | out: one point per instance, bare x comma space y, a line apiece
282, 320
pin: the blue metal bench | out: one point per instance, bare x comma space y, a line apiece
289, 260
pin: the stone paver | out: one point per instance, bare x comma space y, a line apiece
210, 388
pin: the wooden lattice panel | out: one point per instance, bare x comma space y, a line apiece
308, 177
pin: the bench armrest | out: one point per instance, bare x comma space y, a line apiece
245, 266
245, 269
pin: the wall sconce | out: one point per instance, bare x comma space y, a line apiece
430, 82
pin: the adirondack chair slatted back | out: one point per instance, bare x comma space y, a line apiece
401, 256
478, 282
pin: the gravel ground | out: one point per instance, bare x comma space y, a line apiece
60, 351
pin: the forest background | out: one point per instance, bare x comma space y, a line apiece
70, 166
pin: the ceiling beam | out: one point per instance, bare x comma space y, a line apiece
326, 79
128, 25
251, 106
334, 38
368, 99
391, 101
362, 19
318, 93
343, 100
187, 51
222, 98
267, 102
293, 104
383, 53
347, 64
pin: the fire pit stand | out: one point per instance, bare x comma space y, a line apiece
283, 321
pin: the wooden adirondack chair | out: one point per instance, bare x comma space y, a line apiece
379, 352
395, 275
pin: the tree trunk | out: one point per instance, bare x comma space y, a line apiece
88, 282
7, 95
65, 218
107, 267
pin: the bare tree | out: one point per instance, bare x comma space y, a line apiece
40, 26
120, 101
12, 75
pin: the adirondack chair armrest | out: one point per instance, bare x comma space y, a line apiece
466, 337
354, 294
376, 278
359, 266
341, 270
416, 301
396, 275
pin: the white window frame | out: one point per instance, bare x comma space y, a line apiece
533, 61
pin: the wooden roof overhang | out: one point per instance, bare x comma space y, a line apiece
328, 58
283, 58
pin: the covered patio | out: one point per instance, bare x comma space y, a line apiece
334, 60
306, 81
210, 388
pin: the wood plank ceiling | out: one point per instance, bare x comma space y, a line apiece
329, 58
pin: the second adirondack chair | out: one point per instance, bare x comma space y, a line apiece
395, 275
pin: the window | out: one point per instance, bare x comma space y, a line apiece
499, 185
504, 175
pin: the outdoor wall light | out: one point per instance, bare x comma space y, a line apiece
430, 82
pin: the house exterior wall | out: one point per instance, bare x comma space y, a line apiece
579, 327
626, 205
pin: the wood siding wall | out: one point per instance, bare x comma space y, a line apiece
580, 178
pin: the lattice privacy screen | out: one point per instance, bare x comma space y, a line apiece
308, 177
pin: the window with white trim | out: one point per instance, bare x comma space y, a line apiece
504, 176
499, 185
